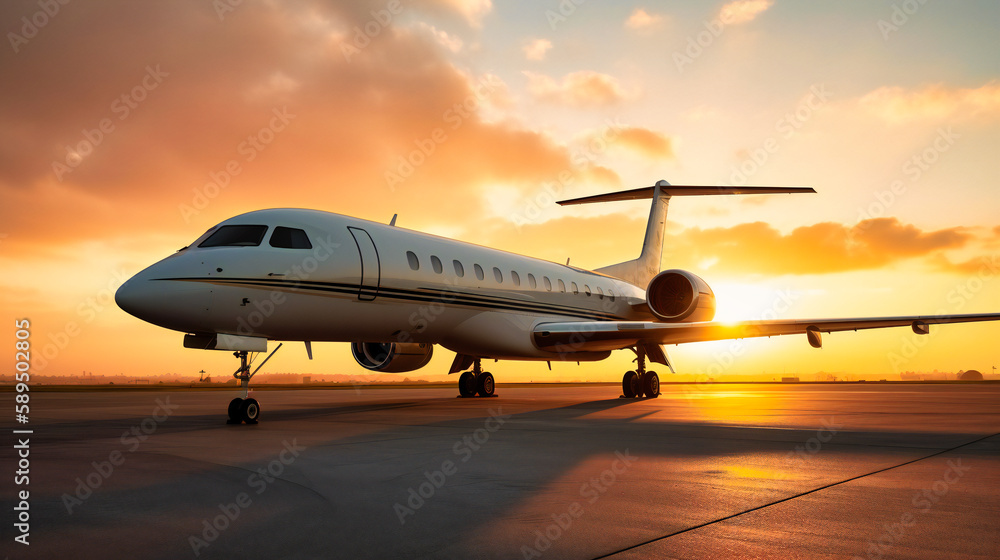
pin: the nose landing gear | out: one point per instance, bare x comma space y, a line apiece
245, 409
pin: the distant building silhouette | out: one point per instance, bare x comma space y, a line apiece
971, 375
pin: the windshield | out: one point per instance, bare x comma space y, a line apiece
235, 236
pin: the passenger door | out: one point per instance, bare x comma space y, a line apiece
370, 266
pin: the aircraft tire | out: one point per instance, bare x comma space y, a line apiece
234, 409
651, 384
250, 411
467, 384
485, 384
630, 385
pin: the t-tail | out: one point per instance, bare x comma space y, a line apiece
641, 270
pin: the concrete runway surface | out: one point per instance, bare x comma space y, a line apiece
704, 471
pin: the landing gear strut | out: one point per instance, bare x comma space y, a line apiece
476, 381
244, 409
640, 383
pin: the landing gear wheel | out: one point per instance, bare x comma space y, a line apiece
234, 411
630, 385
250, 411
467, 384
651, 384
485, 384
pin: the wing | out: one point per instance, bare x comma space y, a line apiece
578, 336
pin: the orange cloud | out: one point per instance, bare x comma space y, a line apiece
536, 49
641, 20
817, 249
743, 11
472, 10
986, 266
933, 102
647, 142
271, 105
742, 250
579, 89
443, 38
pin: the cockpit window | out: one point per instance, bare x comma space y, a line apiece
235, 236
290, 238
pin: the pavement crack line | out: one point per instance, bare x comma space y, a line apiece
792, 497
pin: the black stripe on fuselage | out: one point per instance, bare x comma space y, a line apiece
439, 296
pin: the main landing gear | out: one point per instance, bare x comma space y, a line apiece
245, 409
476, 382
640, 383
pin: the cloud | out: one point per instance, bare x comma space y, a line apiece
933, 102
351, 119
647, 142
450, 42
578, 89
536, 49
984, 266
817, 249
472, 10
748, 249
641, 20
743, 11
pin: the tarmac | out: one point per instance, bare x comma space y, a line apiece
847, 471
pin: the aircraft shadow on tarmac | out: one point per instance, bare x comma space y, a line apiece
340, 493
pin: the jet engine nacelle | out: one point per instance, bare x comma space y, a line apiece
678, 295
392, 357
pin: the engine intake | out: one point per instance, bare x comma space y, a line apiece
678, 295
392, 357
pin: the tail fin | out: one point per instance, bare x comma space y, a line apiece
641, 270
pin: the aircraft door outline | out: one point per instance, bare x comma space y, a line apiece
371, 267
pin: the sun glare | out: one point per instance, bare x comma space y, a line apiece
742, 302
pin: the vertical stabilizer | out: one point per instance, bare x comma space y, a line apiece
641, 270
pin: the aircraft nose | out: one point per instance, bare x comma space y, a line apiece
169, 303
134, 296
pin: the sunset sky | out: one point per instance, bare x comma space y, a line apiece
119, 120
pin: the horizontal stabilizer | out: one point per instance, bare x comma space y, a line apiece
683, 190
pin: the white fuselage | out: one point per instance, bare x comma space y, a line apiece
363, 281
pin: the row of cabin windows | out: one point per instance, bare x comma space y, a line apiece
515, 278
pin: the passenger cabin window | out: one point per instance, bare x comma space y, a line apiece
235, 236
436, 264
498, 275
411, 258
548, 283
576, 289
611, 295
600, 292
290, 238
479, 272
562, 286
531, 281
586, 290
515, 278
459, 269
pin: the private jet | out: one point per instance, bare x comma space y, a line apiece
393, 294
